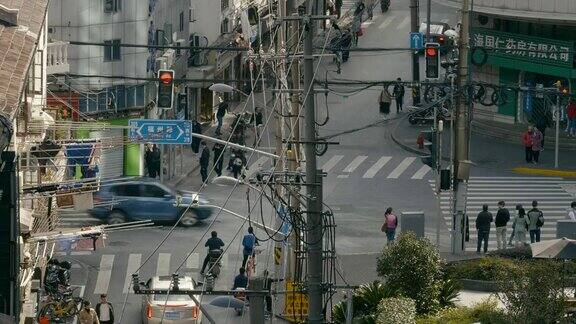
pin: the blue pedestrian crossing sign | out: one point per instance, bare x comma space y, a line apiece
416, 41
160, 131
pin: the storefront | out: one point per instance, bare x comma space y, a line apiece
506, 56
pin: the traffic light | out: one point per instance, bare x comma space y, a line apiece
431, 144
165, 89
432, 53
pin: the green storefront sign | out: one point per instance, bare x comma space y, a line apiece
526, 48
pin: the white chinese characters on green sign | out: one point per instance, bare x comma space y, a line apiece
508, 45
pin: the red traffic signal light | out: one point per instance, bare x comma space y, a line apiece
166, 77
431, 51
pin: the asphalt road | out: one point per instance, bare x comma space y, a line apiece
367, 173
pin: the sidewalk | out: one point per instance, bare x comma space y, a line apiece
491, 154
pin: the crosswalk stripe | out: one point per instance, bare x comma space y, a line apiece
193, 261
104, 274
163, 266
376, 167
355, 163
386, 22
401, 168
404, 23
133, 264
332, 163
421, 172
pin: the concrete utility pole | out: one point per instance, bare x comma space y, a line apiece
414, 16
257, 301
461, 156
313, 187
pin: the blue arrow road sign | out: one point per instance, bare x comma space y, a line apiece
160, 131
416, 41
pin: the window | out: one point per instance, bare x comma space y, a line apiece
181, 25
129, 190
112, 50
224, 26
153, 191
112, 6
224, 4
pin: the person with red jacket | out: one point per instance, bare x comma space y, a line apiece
571, 114
527, 140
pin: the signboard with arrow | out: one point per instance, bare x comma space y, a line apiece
160, 131
416, 41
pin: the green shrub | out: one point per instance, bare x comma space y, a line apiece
485, 312
517, 253
489, 269
396, 311
365, 301
536, 294
413, 267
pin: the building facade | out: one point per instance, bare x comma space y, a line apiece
527, 45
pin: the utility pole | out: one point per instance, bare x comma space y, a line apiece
257, 301
313, 187
414, 16
461, 156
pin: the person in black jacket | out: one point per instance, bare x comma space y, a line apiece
196, 129
218, 157
104, 310
483, 222
204, 161
502, 218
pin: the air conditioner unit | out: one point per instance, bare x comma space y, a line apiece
484, 21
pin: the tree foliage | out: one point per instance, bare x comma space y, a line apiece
365, 301
535, 294
396, 311
413, 267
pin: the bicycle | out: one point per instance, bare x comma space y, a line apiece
62, 307
251, 263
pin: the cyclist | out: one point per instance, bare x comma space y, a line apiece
213, 243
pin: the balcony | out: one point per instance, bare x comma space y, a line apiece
57, 57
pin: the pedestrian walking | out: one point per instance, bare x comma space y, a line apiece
218, 150
389, 226
398, 92
220, 113
527, 140
502, 218
370, 4
385, 100
520, 226
518, 207
105, 310
338, 4
87, 315
536, 221
196, 129
248, 242
152, 160
537, 141
571, 118
204, 161
572, 211
483, 222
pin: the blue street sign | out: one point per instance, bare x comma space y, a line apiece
416, 41
160, 131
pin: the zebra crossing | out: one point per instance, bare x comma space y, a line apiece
162, 264
553, 201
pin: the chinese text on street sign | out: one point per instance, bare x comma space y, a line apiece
160, 131
515, 46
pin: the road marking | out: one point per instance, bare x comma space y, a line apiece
422, 172
404, 23
355, 163
256, 166
395, 174
376, 167
133, 265
343, 176
104, 274
224, 260
193, 261
332, 163
81, 252
386, 22
163, 266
